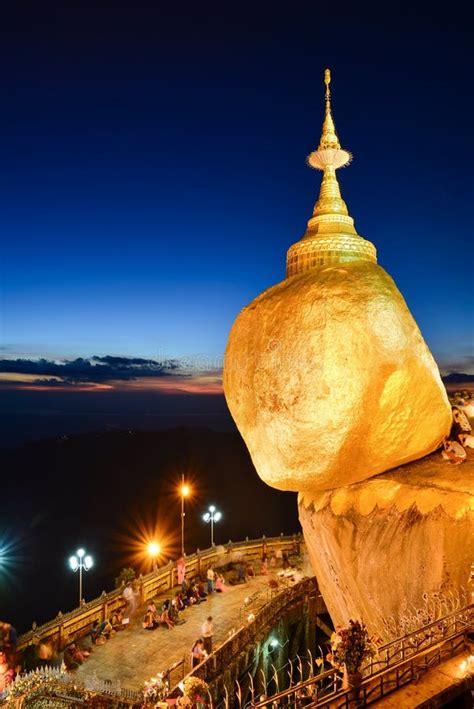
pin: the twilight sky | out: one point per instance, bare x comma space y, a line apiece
153, 174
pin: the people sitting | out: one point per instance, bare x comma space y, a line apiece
220, 584
250, 573
180, 601
201, 590
116, 620
149, 621
165, 616
152, 609
174, 614
194, 595
73, 656
190, 596
100, 632
95, 632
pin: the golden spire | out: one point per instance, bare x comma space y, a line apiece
329, 151
331, 236
329, 137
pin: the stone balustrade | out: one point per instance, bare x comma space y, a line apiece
68, 626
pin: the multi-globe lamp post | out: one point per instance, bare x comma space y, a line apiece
80, 561
212, 516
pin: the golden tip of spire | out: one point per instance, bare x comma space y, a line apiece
329, 152
327, 81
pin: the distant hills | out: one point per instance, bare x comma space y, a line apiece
458, 378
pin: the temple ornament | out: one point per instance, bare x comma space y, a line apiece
331, 236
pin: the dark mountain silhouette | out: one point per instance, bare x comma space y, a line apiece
458, 378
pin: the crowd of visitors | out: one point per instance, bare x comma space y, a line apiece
190, 593
45, 653
77, 652
202, 647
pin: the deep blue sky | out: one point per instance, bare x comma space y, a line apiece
152, 165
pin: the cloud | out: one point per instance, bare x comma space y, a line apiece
81, 370
101, 374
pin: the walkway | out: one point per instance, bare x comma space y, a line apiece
135, 655
435, 687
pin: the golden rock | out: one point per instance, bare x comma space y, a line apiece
330, 382
326, 374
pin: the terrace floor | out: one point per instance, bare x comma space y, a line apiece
135, 655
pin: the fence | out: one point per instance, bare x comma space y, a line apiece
69, 626
65, 682
396, 663
257, 620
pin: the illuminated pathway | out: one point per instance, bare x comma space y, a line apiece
437, 685
135, 655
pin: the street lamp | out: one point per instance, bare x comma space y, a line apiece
81, 561
154, 549
185, 491
212, 516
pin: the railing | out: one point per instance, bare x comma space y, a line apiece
64, 680
66, 627
259, 619
396, 663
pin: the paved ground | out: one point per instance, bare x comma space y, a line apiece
430, 685
135, 655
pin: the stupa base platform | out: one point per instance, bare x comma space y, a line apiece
394, 550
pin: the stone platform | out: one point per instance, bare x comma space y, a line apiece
134, 655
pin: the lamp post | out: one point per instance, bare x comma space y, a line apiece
184, 491
212, 516
81, 561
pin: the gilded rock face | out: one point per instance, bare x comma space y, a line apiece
330, 382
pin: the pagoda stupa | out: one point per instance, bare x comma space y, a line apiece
330, 236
